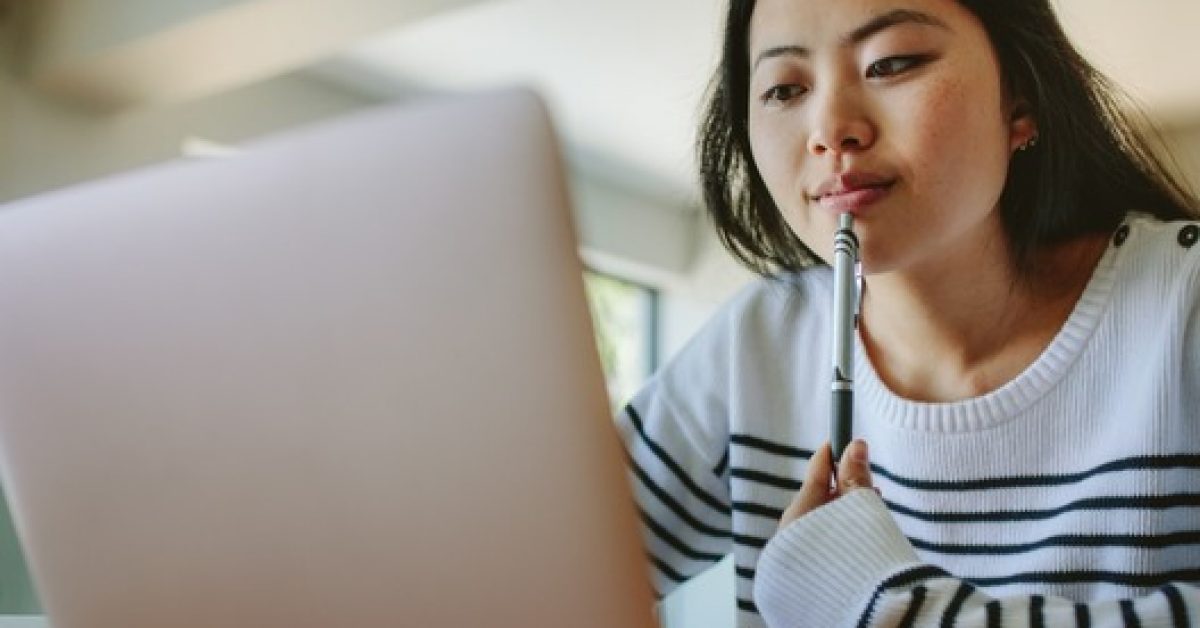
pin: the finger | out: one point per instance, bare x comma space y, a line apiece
854, 470
816, 490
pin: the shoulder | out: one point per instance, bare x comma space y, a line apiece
767, 310
1161, 259
790, 295
1151, 235
1157, 280
1161, 295
754, 331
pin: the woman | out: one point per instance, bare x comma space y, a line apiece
1028, 365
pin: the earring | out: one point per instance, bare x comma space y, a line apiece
1030, 143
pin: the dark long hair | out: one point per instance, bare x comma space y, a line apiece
1093, 162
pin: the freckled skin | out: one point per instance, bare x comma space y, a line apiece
943, 128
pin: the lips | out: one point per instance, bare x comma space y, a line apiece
852, 192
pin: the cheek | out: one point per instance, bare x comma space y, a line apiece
771, 152
960, 134
779, 156
779, 160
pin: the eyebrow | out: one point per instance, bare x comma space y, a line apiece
860, 34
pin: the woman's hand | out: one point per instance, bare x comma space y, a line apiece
819, 488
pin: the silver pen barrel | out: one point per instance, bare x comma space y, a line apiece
845, 306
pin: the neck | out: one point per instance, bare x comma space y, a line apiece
968, 324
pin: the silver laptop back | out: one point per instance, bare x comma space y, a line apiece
344, 378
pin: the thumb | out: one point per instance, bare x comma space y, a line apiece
854, 471
816, 490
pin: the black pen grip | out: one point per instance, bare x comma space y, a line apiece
843, 408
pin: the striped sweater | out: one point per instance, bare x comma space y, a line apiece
1069, 496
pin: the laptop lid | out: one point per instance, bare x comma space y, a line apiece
343, 378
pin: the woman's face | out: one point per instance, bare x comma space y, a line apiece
892, 110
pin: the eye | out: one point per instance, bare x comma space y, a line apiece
891, 66
782, 93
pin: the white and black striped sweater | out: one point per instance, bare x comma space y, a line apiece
1070, 496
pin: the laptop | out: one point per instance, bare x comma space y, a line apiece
344, 378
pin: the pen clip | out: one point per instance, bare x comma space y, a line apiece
858, 292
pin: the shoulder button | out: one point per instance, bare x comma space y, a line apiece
1188, 236
1121, 235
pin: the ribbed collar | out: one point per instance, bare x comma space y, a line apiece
1012, 398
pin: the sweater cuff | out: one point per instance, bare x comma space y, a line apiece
822, 569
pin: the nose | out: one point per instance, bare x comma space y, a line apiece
839, 123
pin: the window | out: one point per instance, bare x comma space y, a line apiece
625, 317
630, 320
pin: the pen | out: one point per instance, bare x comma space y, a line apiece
845, 319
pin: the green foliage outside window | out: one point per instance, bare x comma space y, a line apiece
623, 317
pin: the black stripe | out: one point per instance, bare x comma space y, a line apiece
765, 478
1079, 577
1179, 614
665, 569
750, 541
901, 579
865, 618
744, 572
1091, 503
666, 459
674, 542
1083, 616
1134, 463
1037, 618
724, 462
772, 448
994, 614
758, 509
675, 507
1156, 502
747, 605
914, 607
1129, 614
956, 603
911, 575
1065, 540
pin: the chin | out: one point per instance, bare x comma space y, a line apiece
876, 262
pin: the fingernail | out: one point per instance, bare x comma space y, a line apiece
858, 453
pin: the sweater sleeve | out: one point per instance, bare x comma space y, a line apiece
681, 487
676, 433
848, 564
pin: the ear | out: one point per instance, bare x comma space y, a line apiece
1022, 127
